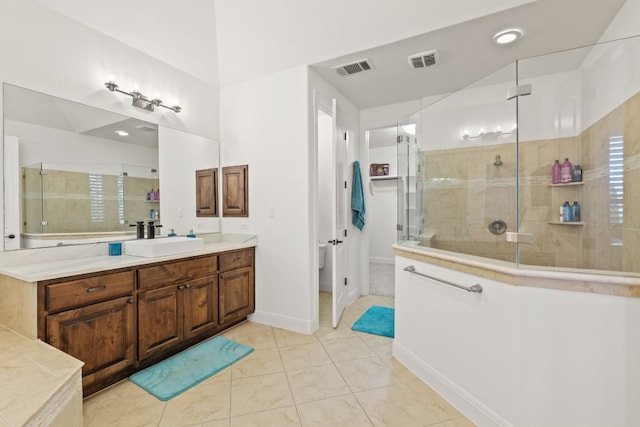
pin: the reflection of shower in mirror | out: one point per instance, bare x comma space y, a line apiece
497, 162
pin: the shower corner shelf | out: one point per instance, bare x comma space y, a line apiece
566, 184
574, 223
383, 178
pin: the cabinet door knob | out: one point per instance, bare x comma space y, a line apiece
131, 301
188, 286
181, 287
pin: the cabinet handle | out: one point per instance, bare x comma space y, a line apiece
236, 259
188, 286
181, 287
131, 301
97, 288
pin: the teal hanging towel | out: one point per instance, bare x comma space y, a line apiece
357, 197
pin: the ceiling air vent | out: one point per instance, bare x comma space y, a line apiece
355, 67
424, 59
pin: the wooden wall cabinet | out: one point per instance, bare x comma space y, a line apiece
117, 328
207, 192
235, 191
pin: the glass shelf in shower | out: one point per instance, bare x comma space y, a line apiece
566, 184
575, 223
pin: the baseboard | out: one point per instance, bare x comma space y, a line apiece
285, 322
381, 260
464, 402
326, 286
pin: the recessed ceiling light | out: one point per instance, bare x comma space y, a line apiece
122, 133
507, 36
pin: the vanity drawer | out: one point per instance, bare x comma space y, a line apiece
74, 293
236, 260
175, 272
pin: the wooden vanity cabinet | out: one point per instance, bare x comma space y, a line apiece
121, 321
177, 301
236, 298
92, 318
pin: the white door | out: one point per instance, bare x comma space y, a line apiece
11, 194
339, 219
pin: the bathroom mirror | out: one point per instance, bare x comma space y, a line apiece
77, 174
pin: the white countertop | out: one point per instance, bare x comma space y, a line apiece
44, 266
32, 374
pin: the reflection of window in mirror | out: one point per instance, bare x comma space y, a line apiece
235, 191
207, 192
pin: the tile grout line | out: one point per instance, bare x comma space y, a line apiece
286, 375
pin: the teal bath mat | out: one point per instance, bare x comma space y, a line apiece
169, 378
377, 320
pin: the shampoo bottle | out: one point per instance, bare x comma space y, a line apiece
576, 175
152, 194
565, 171
566, 212
575, 212
555, 172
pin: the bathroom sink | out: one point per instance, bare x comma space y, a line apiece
163, 246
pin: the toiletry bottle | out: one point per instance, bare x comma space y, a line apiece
191, 234
565, 171
561, 217
566, 212
575, 212
158, 195
148, 196
172, 233
555, 172
152, 194
576, 175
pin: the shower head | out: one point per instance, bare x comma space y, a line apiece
498, 162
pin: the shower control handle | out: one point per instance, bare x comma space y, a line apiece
335, 242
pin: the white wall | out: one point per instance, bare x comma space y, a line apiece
181, 154
265, 124
47, 52
520, 356
382, 206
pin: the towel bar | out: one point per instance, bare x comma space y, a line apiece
475, 288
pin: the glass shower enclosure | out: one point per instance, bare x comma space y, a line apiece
476, 165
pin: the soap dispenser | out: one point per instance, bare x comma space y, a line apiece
191, 234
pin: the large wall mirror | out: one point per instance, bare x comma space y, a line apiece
77, 174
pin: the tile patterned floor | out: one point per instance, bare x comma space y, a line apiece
382, 279
335, 377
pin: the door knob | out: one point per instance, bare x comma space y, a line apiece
11, 236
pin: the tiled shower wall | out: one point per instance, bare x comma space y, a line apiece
74, 202
464, 192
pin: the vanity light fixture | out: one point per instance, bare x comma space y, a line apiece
507, 36
122, 133
142, 101
491, 134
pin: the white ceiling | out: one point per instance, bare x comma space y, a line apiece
467, 52
224, 42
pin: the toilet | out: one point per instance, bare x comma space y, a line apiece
322, 254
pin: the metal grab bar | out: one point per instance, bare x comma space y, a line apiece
475, 288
